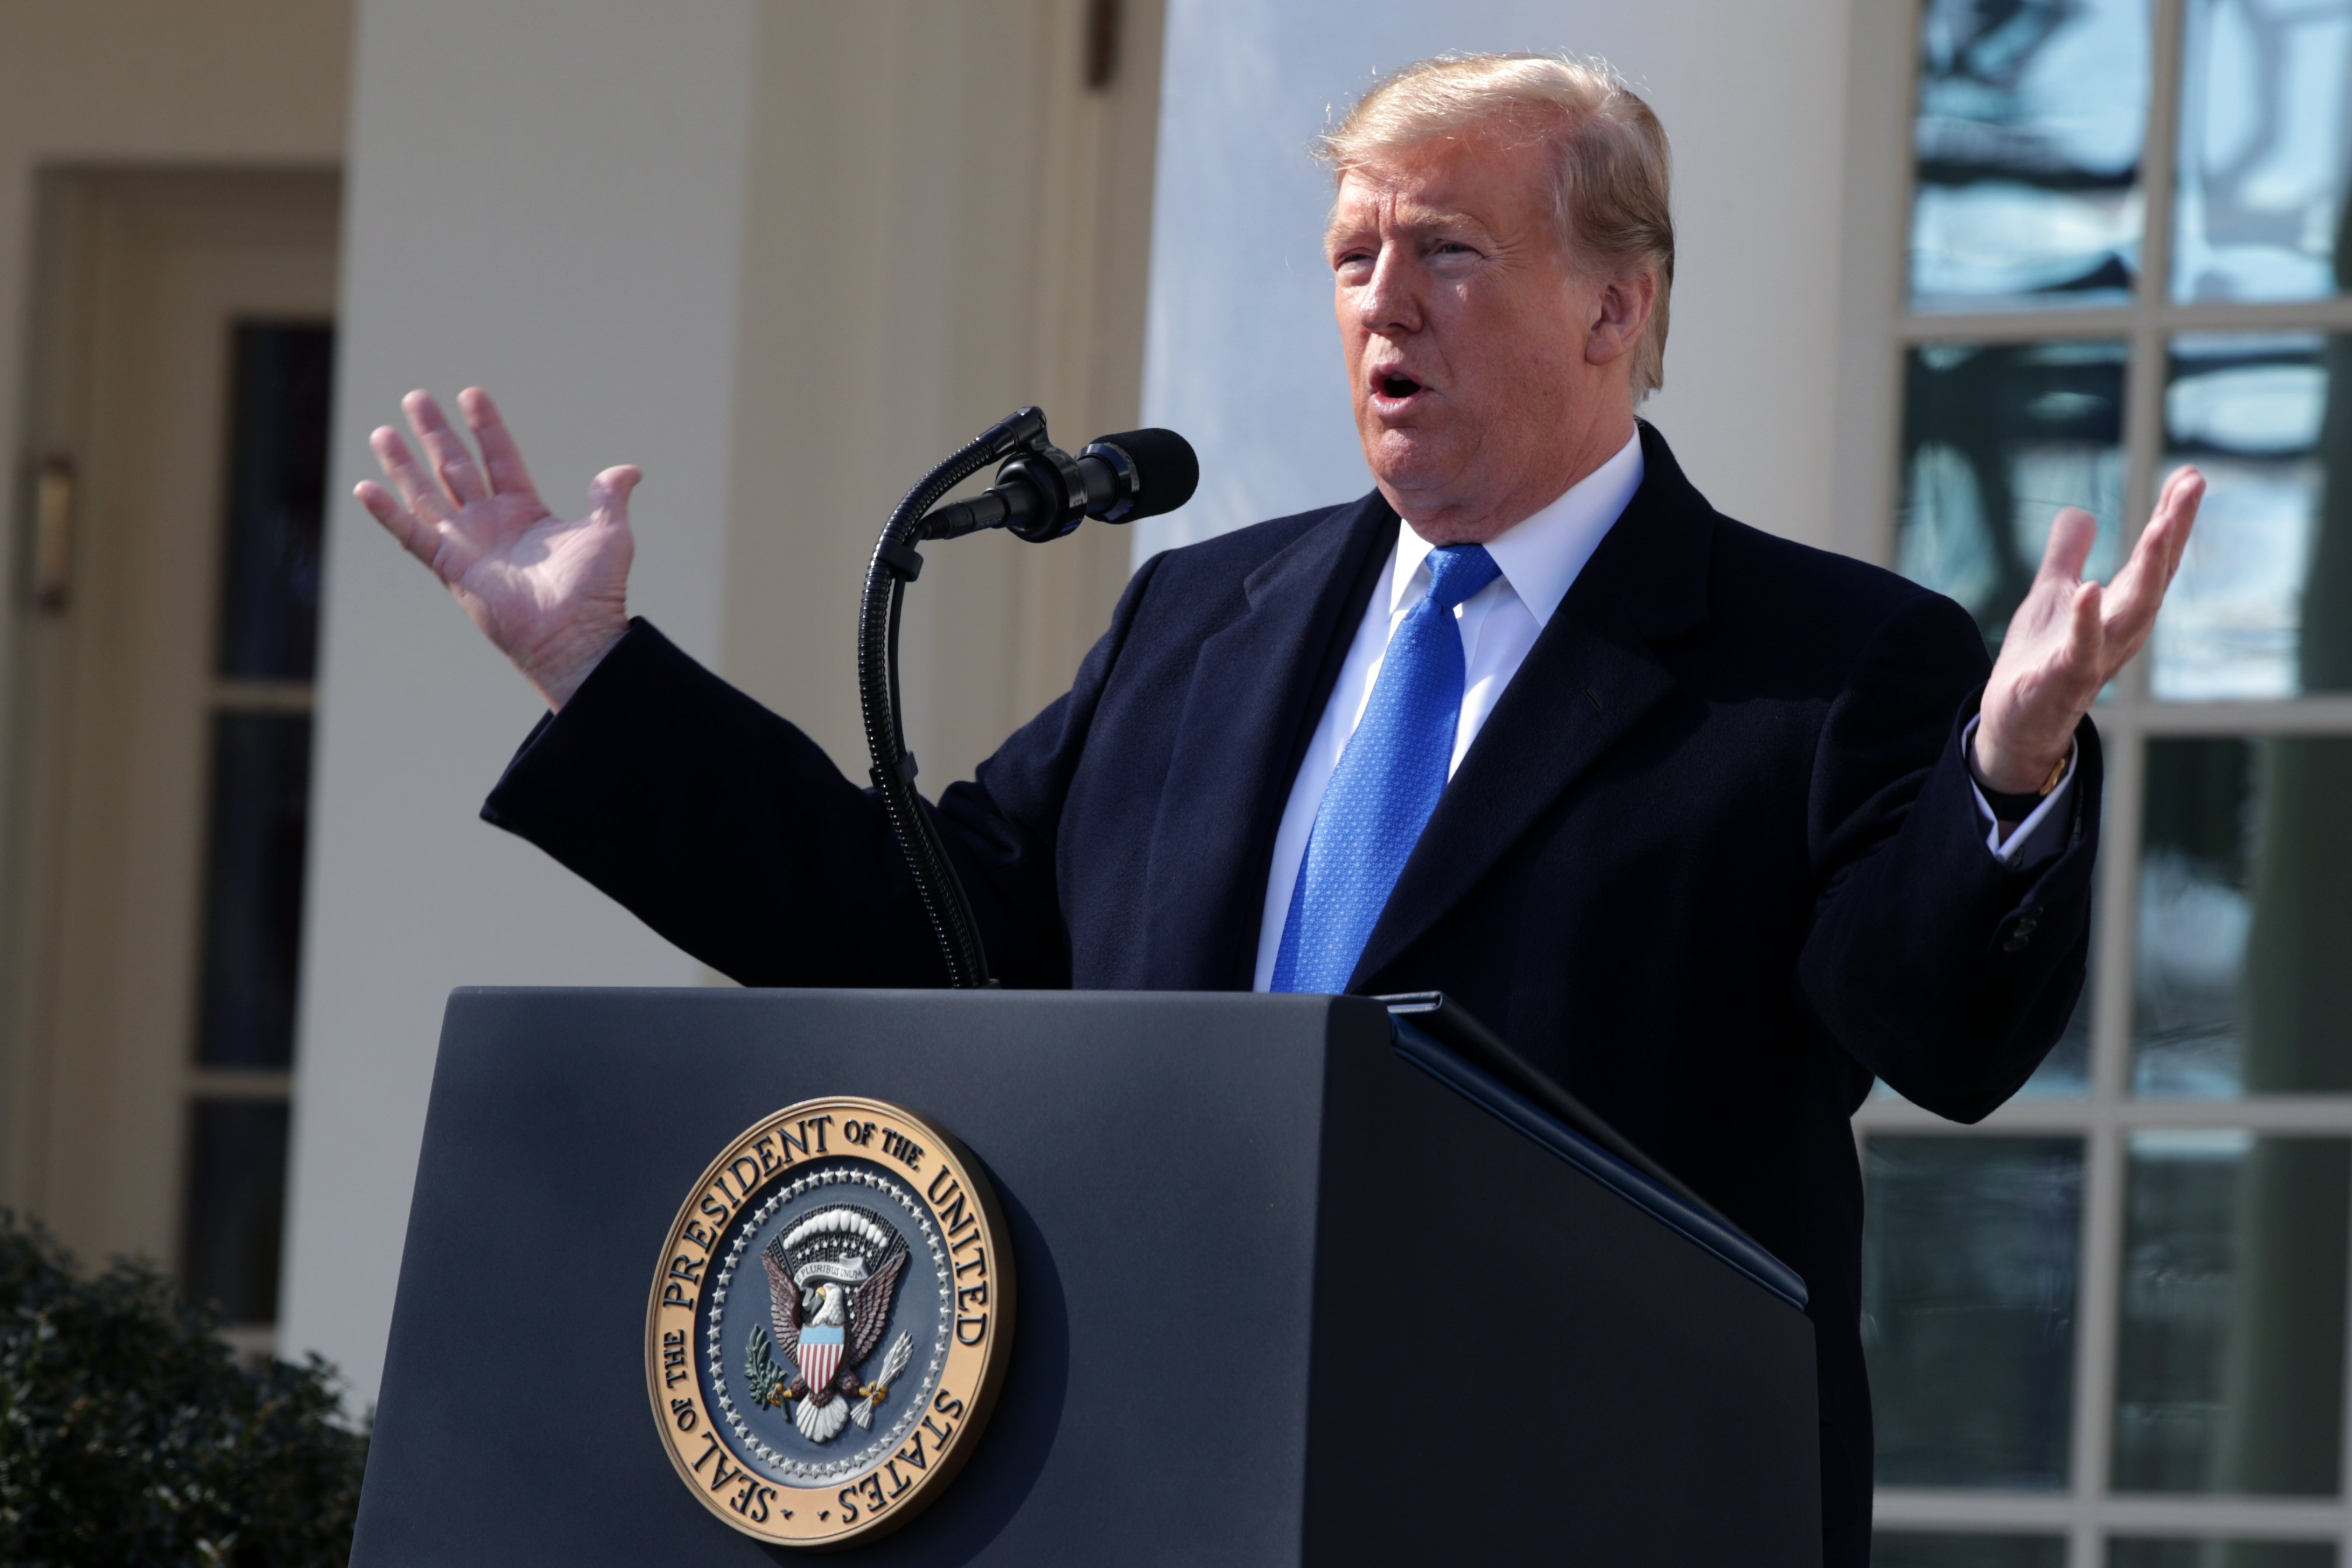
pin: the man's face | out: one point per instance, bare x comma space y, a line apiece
1471, 337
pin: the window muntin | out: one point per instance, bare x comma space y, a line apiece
1913, 1549
2191, 1552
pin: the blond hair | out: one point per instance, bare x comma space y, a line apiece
1612, 168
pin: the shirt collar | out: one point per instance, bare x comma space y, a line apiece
1541, 556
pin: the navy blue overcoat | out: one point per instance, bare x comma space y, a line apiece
1713, 861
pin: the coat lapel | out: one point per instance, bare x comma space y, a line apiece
1589, 679
1258, 685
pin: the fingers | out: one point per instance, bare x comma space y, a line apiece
2139, 587
417, 537
418, 488
608, 492
452, 459
2175, 514
2086, 630
500, 456
2071, 534
2165, 537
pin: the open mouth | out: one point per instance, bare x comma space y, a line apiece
1397, 386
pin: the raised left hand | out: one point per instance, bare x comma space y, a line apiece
552, 594
2069, 637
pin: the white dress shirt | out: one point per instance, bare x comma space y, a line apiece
1539, 560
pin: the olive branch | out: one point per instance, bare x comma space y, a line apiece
766, 1377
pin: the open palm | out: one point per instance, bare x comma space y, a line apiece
551, 594
2070, 637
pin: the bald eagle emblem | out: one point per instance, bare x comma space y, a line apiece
832, 1279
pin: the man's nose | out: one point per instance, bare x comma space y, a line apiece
1390, 301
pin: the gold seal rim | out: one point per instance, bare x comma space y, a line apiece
992, 1356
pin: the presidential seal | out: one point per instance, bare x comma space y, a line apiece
829, 1322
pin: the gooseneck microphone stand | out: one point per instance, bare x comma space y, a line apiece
1042, 493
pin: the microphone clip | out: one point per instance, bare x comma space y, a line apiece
1042, 493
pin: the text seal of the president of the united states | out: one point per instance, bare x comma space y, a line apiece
830, 1321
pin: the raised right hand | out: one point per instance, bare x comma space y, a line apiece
552, 594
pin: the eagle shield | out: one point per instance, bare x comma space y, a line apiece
820, 1357
831, 1279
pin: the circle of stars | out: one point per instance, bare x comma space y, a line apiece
865, 1459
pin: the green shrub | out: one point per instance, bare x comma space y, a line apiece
130, 1435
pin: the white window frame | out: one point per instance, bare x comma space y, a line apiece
1877, 330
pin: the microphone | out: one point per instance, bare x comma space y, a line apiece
1042, 492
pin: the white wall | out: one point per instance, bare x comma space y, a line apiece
1242, 355
864, 359
550, 206
159, 83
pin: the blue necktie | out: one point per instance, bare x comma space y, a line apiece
1387, 783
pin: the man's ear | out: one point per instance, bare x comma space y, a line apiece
1620, 315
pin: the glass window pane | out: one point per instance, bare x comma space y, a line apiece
2263, 608
1996, 438
2229, 1356
2220, 1555
2031, 117
253, 888
1907, 1549
284, 376
2263, 149
2245, 917
237, 1208
2065, 1072
1969, 1255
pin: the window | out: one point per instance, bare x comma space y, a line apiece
257, 810
2107, 1327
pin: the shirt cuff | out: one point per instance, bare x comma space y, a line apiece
2042, 834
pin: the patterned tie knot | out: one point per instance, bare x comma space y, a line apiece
1458, 571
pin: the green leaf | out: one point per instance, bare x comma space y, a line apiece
129, 1434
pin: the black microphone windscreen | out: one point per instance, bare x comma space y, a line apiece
1165, 470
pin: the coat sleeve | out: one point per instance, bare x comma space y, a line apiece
1937, 967
731, 833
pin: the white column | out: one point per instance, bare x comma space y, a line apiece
782, 257
550, 203
1242, 355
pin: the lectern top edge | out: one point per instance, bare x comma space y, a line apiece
1700, 1224
1441, 1038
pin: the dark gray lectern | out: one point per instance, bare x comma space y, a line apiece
1300, 1284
